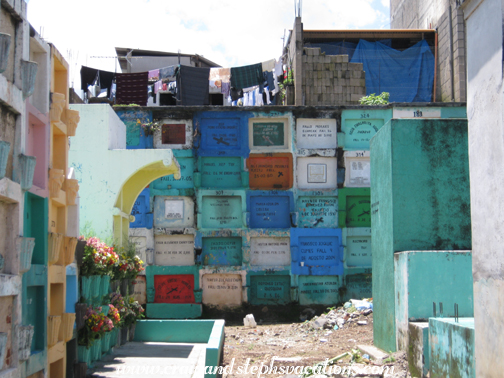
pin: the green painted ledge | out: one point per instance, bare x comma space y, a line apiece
210, 332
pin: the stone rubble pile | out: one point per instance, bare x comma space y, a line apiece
340, 317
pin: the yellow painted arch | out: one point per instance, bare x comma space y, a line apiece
130, 190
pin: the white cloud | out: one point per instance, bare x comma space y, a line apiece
230, 33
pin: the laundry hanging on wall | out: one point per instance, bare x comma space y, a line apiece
132, 88
90, 75
192, 85
246, 76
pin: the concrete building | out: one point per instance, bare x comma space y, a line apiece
324, 72
137, 60
483, 20
37, 201
446, 18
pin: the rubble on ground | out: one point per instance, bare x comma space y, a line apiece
353, 312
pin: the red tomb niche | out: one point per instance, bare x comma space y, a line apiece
177, 288
173, 133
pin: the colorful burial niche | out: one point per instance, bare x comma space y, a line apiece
316, 251
270, 209
222, 251
269, 289
270, 171
221, 172
176, 288
317, 211
269, 134
319, 289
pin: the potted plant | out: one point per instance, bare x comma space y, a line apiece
99, 260
95, 325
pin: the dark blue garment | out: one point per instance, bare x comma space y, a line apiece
167, 72
407, 75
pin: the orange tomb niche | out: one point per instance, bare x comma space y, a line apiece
177, 288
270, 171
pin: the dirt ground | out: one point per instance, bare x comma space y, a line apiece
298, 344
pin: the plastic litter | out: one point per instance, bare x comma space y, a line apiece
361, 305
249, 321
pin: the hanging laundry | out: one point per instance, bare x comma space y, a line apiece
278, 67
222, 74
266, 91
246, 76
269, 79
258, 95
158, 85
132, 88
225, 88
154, 75
268, 65
88, 76
236, 93
167, 72
192, 85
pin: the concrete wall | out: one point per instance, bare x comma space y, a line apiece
435, 14
486, 156
451, 344
261, 223
103, 172
414, 202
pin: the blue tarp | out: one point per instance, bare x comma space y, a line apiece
407, 75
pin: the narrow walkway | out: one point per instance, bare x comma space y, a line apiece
152, 360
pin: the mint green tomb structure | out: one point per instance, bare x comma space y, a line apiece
426, 277
419, 201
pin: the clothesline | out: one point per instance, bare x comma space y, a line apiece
233, 82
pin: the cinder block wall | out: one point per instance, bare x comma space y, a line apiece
331, 79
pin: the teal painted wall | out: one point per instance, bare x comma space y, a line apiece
34, 282
382, 241
452, 348
174, 331
427, 277
419, 201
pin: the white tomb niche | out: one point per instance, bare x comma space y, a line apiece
174, 250
317, 173
222, 289
269, 251
173, 212
357, 169
315, 133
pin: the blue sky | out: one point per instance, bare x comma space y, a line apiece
229, 32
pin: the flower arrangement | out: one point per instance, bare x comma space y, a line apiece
149, 128
95, 325
129, 264
129, 309
136, 308
114, 315
98, 259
